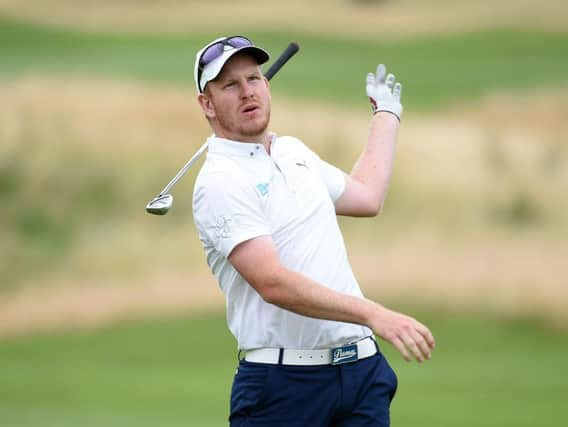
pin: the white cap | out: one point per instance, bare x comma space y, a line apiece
212, 70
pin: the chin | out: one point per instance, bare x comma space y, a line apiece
255, 129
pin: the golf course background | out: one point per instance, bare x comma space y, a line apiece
108, 316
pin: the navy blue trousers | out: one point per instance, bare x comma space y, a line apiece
349, 395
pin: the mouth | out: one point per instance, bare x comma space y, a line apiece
250, 109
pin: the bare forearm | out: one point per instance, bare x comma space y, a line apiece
298, 293
374, 167
367, 185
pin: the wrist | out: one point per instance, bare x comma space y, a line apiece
386, 115
394, 108
373, 312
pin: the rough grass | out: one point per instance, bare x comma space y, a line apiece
476, 204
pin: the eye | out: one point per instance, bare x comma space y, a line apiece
229, 84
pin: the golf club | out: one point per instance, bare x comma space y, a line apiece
162, 203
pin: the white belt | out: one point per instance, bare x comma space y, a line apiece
365, 348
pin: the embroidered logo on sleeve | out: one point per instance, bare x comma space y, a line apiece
262, 188
223, 227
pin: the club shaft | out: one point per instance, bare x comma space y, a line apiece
184, 169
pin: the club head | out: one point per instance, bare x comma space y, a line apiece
160, 205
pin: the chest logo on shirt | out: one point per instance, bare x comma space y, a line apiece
262, 188
302, 163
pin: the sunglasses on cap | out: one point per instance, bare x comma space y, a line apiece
216, 49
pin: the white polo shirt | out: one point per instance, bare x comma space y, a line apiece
242, 192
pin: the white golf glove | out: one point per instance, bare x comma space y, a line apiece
383, 93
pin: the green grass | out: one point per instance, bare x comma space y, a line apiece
435, 70
178, 372
164, 373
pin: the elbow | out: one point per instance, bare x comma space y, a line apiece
375, 210
371, 203
379, 208
271, 296
270, 288
274, 295
372, 208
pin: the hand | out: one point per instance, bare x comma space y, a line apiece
411, 338
383, 93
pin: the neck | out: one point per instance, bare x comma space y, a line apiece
263, 139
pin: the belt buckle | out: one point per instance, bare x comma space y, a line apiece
344, 354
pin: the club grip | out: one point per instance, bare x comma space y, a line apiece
282, 59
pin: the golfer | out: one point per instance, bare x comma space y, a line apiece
265, 207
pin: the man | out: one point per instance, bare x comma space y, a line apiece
265, 207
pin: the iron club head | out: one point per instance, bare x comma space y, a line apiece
160, 205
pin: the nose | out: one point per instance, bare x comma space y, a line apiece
246, 90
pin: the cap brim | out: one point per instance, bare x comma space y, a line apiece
213, 69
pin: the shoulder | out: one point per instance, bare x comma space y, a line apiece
290, 143
222, 182
290, 146
218, 172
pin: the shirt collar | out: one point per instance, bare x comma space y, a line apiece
235, 148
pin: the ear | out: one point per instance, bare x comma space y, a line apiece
267, 83
206, 105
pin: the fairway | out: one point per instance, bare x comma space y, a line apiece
178, 372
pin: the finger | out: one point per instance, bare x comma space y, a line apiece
370, 79
411, 345
390, 81
381, 73
427, 335
422, 345
397, 91
397, 343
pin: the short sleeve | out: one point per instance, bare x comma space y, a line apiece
334, 179
227, 212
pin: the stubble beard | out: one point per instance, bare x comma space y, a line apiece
255, 128
244, 131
